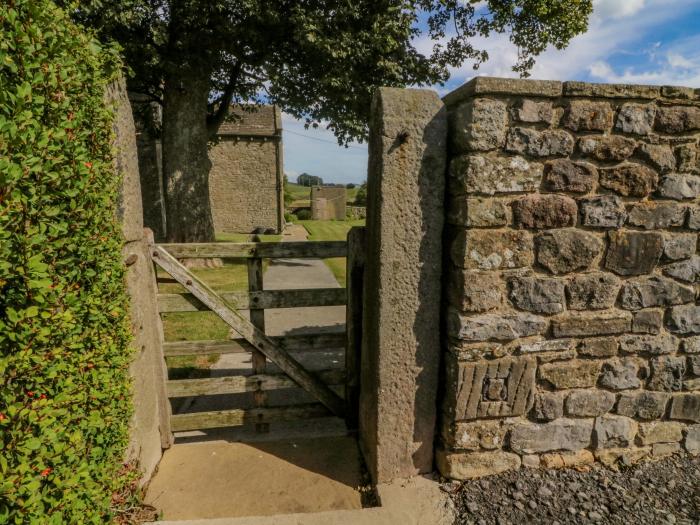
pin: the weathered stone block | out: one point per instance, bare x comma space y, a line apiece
691, 384
684, 320
656, 215
610, 457
691, 345
477, 212
643, 405
598, 347
680, 186
659, 432
607, 148
677, 119
474, 291
534, 112
662, 450
636, 118
564, 251
570, 374
654, 291
589, 403
667, 373
648, 344
492, 250
475, 435
588, 89
548, 406
660, 156
568, 176
630, 180
544, 211
490, 175
586, 115
614, 431
470, 465
547, 345
686, 407
545, 296
547, 143
647, 322
633, 253
503, 387
562, 434
679, 246
497, 326
567, 459
687, 155
603, 211
592, 291
688, 271
620, 374
479, 125
692, 440
585, 325
694, 217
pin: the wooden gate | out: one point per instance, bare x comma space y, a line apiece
333, 389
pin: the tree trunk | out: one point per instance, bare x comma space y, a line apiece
186, 162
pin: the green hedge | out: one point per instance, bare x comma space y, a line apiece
64, 335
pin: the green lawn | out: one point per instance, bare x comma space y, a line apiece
332, 231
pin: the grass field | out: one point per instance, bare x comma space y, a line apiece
332, 231
301, 195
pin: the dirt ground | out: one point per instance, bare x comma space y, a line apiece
654, 493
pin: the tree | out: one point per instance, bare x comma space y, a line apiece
319, 61
309, 180
361, 195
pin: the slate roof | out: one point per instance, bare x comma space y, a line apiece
262, 121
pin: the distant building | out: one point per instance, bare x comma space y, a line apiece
328, 203
246, 179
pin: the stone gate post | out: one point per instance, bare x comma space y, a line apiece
402, 288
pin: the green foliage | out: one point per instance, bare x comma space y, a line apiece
309, 180
322, 60
303, 214
361, 195
288, 195
64, 334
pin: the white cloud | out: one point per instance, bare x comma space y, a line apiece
617, 8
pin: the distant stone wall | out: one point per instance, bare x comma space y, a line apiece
572, 270
328, 203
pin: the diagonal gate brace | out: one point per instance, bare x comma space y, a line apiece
247, 330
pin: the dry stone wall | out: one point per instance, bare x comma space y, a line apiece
572, 323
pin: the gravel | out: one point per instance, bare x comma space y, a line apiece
658, 493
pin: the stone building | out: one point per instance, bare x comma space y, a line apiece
328, 203
246, 178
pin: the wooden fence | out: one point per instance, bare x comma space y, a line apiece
260, 379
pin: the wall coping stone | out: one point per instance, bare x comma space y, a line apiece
555, 89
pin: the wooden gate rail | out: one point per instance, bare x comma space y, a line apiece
264, 250
256, 337
240, 417
186, 302
320, 341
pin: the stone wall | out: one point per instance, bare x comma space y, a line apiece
245, 182
149, 426
572, 324
328, 203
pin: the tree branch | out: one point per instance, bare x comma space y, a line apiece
215, 119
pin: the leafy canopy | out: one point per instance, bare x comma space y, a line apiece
321, 60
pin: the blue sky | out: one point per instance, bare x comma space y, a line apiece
628, 41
